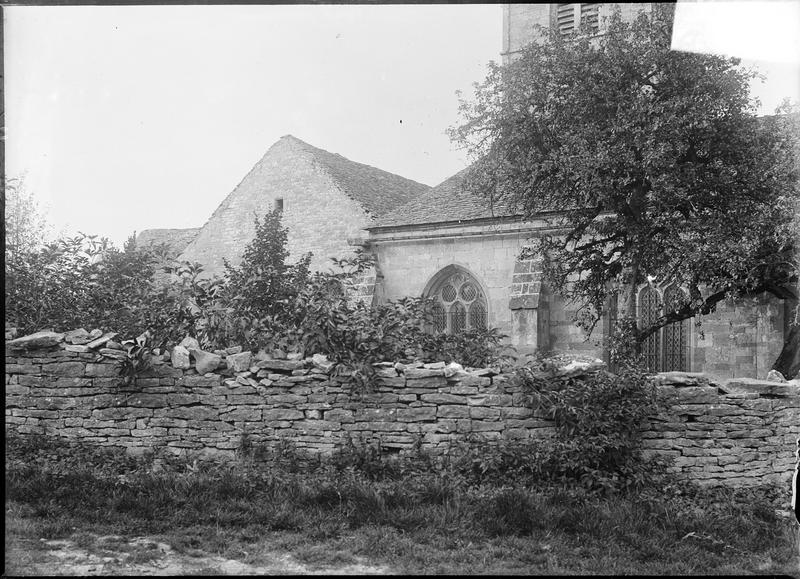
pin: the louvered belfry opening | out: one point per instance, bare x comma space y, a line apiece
666, 350
569, 17
459, 302
565, 18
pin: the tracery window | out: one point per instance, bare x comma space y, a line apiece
667, 349
460, 304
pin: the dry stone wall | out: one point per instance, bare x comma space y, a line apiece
52, 389
739, 433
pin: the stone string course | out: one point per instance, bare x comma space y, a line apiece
738, 433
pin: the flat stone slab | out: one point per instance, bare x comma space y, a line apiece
43, 339
101, 340
761, 387
285, 365
682, 378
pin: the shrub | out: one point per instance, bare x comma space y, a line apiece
85, 281
598, 418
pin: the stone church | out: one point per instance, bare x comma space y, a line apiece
446, 243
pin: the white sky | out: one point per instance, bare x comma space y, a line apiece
135, 117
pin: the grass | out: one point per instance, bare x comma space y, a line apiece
410, 522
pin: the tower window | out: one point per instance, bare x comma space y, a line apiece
569, 17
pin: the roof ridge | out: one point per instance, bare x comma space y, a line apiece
377, 190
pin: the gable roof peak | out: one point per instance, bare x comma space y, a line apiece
376, 190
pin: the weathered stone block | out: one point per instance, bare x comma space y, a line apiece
180, 359
101, 370
17, 390
453, 411
380, 398
205, 362
490, 400
761, 387
191, 412
376, 426
309, 425
281, 414
443, 399
96, 343
239, 362
283, 365
80, 349
121, 412
23, 369
697, 395
483, 413
112, 353
416, 414
65, 369
182, 399
37, 382
339, 415
242, 413
284, 399
417, 373
44, 339
370, 414
395, 383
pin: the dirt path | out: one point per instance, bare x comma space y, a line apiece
113, 555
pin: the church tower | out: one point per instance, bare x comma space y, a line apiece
519, 20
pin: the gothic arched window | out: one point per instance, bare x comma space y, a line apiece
460, 303
667, 349
649, 310
675, 335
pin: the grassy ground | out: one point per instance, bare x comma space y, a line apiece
410, 522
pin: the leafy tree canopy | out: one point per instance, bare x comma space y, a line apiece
24, 221
650, 161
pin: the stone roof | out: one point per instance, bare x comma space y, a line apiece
176, 239
447, 202
377, 191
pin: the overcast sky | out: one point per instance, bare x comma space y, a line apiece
135, 117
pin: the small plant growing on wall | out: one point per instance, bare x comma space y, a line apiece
138, 357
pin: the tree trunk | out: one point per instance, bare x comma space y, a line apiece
788, 362
624, 336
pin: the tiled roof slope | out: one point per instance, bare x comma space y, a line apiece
447, 202
377, 191
176, 239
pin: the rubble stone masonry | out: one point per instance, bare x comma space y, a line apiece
738, 433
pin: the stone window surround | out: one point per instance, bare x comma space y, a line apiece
660, 289
440, 278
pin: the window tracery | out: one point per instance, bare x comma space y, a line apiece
460, 303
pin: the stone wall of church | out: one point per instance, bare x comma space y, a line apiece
740, 339
408, 265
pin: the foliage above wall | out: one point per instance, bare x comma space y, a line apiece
264, 303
